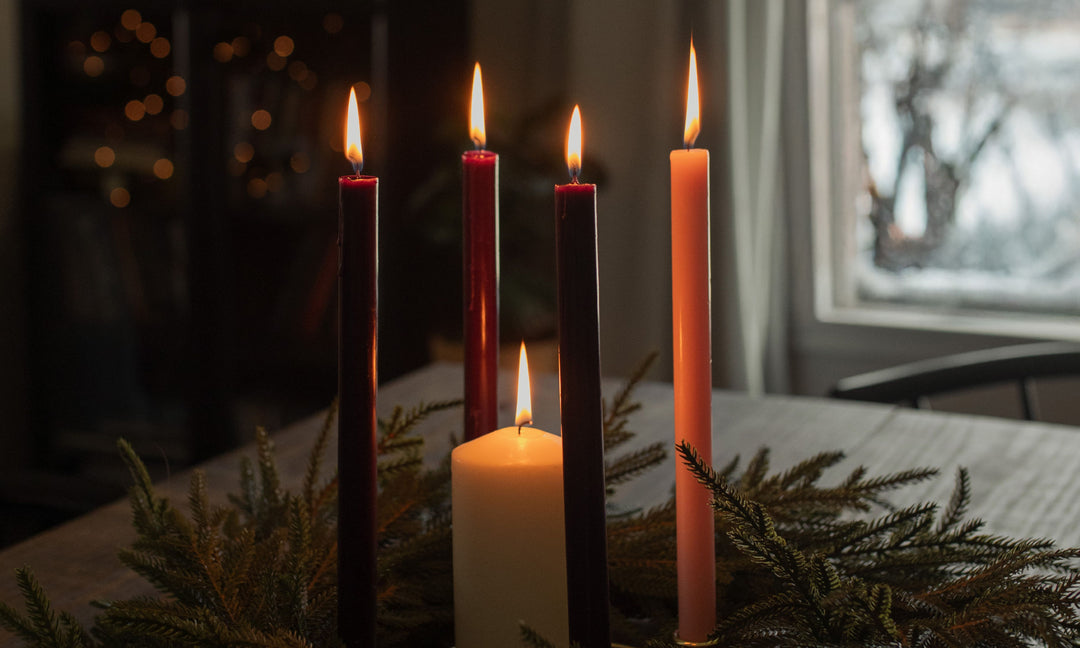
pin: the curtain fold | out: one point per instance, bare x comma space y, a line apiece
755, 70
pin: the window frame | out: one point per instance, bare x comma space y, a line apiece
834, 123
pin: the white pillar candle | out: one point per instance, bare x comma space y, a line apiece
509, 534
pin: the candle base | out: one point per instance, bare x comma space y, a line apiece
683, 642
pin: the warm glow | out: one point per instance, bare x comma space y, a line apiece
524, 399
145, 32
119, 197
178, 119
693, 107
283, 46
134, 110
354, 152
297, 70
93, 66
163, 169
104, 156
244, 152
223, 52
256, 188
130, 19
100, 41
299, 163
476, 115
573, 145
153, 103
160, 47
275, 61
176, 85
241, 45
261, 119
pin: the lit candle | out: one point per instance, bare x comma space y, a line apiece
357, 342
579, 402
480, 204
694, 521
508, 537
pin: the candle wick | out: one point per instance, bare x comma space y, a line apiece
357, 168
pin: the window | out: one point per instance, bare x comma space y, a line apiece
946, 162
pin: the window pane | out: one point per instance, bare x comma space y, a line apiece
971, 148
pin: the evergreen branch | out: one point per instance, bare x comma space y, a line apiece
311, 475
616, 415
630, 465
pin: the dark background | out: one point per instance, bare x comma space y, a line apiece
178, 266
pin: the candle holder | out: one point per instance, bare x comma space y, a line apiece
699, 644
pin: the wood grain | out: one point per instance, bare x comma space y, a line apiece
1024, 475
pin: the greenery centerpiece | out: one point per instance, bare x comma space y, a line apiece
799, 563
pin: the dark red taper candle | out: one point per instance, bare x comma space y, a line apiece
358, 270
581, 408
480, 208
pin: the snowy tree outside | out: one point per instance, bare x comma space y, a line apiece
970, 137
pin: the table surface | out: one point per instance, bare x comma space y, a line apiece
1025, 480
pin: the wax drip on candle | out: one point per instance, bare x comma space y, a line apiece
476, 114
693, 107
524, 395
573, 146
354, 152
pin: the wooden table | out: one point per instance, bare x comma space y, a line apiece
1024, 475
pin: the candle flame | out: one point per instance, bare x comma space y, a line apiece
354, 152
524, 396
573, 145
693, 108
476, 114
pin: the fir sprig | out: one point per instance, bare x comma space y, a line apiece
912, 577
798, 563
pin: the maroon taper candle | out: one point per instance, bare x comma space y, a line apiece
580, 404
480, 207
358, 268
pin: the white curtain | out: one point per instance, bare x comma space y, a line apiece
755, 33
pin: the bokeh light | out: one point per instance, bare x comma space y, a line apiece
223, 52
363, 91
163, 169
256, 187
241, 46
243, 152
130, 19
175, 85
178, 119
153, 104
332, 23
134, 110
283, 46
100, 41
260, 119
119, 197
93, 66
297, 70
160, 47
275, 62
309, 81
145, 32
104, 157
300, 163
